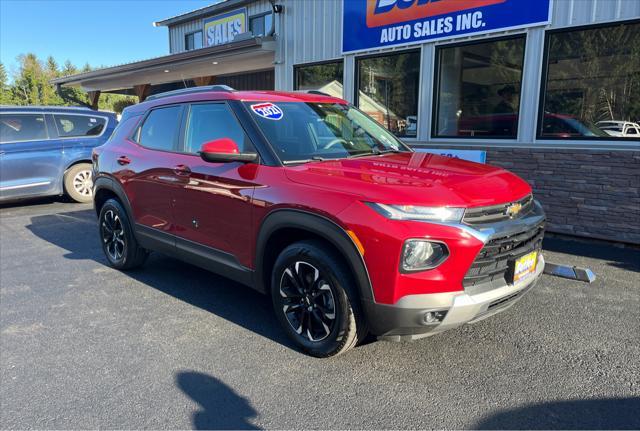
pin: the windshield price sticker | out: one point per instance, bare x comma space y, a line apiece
268, 111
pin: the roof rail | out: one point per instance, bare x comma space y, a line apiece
318, 92
191, 90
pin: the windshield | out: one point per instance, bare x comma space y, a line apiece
300, 131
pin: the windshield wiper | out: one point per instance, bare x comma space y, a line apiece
297, 162
375, 152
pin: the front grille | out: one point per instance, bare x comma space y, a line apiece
496, 213
492, 263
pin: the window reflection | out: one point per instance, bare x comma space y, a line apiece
326, 77
388, 91
478, 92
592, 83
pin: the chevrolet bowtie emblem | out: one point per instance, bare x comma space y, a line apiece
514, 209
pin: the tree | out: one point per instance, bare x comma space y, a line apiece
32, 85
5, 95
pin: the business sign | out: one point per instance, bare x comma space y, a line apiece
477, 156
221, 29
370, 24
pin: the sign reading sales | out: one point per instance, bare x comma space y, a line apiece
370, 24
221, 29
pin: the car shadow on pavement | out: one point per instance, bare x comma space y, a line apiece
221, 408
627, 258
77, 233
609, 413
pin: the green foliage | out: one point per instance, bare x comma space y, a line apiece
31, 85
121, 103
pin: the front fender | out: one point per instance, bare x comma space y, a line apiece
320, 226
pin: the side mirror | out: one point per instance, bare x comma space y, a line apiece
225, 150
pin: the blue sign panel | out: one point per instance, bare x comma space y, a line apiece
370, 24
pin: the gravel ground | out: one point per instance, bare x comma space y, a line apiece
173, 346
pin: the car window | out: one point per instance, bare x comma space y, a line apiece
79, 125
159, 130
300, 131
22, 127
210, 121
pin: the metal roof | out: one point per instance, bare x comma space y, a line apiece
180, 57
220, 6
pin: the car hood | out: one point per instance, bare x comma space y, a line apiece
414, 179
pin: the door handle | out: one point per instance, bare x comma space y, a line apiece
124, 160
181, 170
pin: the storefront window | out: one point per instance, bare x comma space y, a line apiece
325, 77
478, 89
388, 91
592, 87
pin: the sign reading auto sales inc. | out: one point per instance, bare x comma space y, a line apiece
370, 24
221, 29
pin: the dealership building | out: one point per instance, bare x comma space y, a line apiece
549, 89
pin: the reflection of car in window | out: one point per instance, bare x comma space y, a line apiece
567, 126
412, 125
620, 129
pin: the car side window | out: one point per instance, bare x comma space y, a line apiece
22, 127
78, 125
159, 130
211, 121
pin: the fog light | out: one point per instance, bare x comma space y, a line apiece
433, 317
420, 255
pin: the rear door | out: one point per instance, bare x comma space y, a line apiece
30, 162
145, 168
79, 133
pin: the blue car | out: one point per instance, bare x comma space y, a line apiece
46, 151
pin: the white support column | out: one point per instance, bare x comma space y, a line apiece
531, 83
349, 78
425, 97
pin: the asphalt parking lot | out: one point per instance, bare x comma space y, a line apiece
173, 346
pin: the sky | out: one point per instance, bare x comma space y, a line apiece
101, 33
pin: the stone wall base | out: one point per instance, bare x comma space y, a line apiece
588, 193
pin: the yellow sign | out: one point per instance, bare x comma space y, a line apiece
525, 266
221, 29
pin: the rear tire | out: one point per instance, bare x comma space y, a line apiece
314, 299
78, 184
116, 235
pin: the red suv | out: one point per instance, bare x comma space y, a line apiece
305, 198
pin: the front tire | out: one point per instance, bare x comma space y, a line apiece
116, 235
78, 183
314, 299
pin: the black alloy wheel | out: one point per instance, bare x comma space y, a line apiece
308, 301
116, 235
315, 300
113, 236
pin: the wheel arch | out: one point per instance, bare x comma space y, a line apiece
105, 188
72, 163
286, 226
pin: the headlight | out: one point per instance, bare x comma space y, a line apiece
420, 255
410, 212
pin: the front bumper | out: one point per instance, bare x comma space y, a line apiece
405, 320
